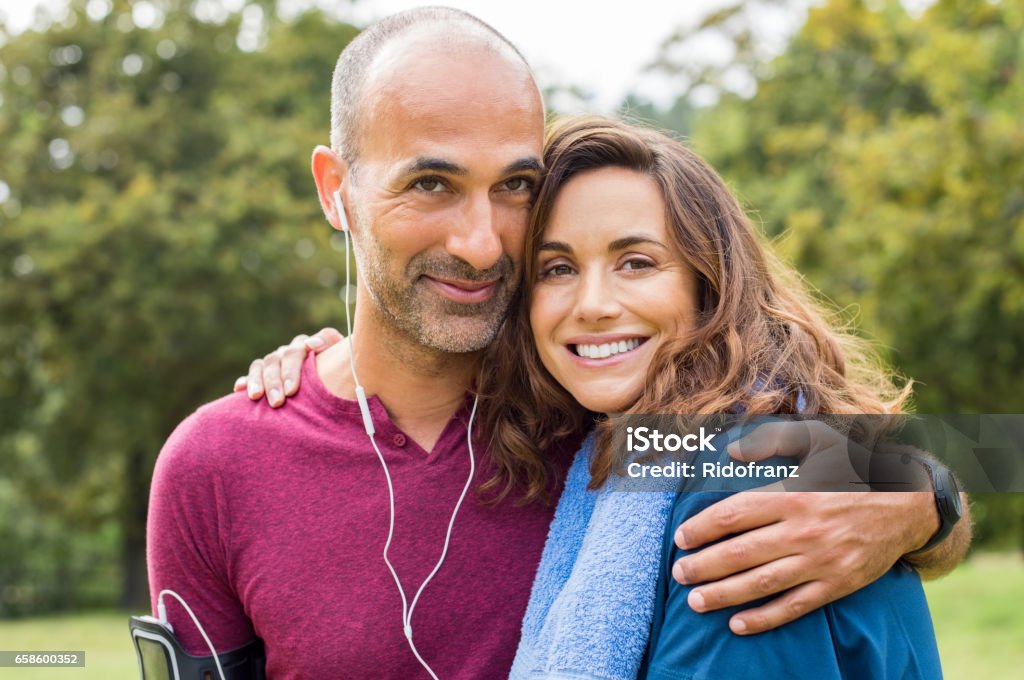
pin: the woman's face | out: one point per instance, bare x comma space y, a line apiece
611, 287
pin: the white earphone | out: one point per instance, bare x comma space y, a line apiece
364, 409
339, 206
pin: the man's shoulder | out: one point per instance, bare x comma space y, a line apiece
212, 433
236, 433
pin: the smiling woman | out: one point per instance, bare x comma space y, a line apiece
647, 290
611, 287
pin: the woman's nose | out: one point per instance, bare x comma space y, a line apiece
595, 297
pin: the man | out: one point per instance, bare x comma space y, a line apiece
273, 524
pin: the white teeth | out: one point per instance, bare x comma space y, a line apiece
607, 349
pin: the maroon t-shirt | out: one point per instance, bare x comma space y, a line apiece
272, 523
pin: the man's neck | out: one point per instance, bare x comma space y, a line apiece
420, 387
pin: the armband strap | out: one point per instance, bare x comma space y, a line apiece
162, 656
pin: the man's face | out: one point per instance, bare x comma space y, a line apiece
448, 158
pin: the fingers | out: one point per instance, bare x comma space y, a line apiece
323, 339
293, 356
272, 377
291, 359
255, 380
278, 374
769, 579
737, 513
783, 609
729, 558
816, 552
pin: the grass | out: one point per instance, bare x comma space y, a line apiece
979, 619
103, 637
977, 612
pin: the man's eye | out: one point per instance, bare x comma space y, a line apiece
431, 185
519, 184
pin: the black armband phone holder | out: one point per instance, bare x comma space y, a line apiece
161, 656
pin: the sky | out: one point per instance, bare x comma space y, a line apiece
576, 43
603, 51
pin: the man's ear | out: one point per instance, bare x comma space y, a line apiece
331, 174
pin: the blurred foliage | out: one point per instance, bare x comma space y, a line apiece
885, 153
159, 232
158, 228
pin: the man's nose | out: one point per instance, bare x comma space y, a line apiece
475, 236
595, 297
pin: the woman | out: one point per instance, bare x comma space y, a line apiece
646, 291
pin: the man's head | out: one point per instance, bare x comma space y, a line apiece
437, 129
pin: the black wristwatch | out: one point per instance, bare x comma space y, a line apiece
947, 500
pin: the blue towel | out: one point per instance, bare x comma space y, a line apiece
592, 602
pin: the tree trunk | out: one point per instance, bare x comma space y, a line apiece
134, 502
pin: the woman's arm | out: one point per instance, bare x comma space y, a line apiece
278, 374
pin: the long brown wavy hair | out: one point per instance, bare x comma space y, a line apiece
760, 342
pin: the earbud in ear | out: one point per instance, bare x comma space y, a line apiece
339, 206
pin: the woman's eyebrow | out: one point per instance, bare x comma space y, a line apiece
557, 246
617, 244
628, 241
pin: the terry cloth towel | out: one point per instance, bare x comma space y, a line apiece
590, 610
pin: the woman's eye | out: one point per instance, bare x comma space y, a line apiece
519, 184
431, 185
556, 270
637, 264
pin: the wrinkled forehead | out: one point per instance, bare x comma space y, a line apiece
474, 106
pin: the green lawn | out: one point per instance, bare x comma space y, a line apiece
977, 610
102, 636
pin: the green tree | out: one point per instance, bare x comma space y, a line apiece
159, 229
885, 149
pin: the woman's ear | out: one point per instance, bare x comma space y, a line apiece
331, 173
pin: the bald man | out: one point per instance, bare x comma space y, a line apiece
272, 524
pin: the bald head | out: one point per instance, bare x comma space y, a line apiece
370, 60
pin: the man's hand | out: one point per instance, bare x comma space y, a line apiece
278, 374
816, 546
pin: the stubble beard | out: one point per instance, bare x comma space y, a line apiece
412, 306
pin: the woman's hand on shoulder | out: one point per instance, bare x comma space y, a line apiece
278, 374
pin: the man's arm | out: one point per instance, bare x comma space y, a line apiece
943, 558
815, 546
187, 539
